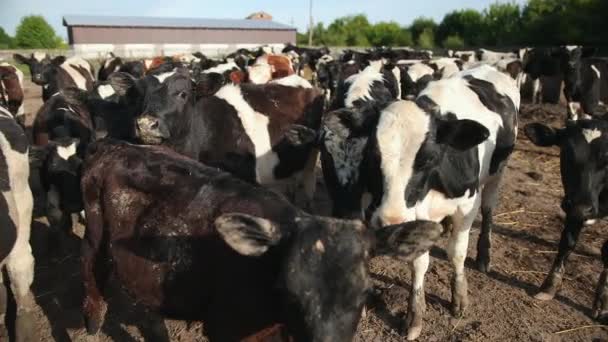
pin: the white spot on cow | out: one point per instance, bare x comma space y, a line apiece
108, 61
256, 127
360, 85
162, 77
70, 67
597, 72
319, 247
39, 56
105, 91
220, 69
402, 128
591, 134
293, 81
590, 222
574, 109
66, 152
351, 62
397, 73
571, 47
418, 70
260, 73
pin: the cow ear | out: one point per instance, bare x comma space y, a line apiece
58, 60
209, 83
21, 59
461, 134
541, 135
246, 234
299, 135
122, 82
407, 241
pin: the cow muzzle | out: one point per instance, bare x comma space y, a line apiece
150, 130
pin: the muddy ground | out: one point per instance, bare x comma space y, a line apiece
528, 225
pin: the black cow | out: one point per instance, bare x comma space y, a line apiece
58, 73
584, 159
586, 84
15, 218
108, 66
195, 243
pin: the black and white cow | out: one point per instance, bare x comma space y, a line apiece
109, 65
440, 157
445, 67
16, 205
240, 128
583, 148
586, 85
414, 78
491, 57
58, 73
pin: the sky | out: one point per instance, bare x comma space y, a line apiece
291, 12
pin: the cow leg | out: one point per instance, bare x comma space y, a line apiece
489, 199
600, 304
93, 263
3, 308
20, 267
309, 179
457, 254
59, 221
537, 92
567, 243
417, 304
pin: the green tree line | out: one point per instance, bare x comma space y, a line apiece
33, 32
538, 22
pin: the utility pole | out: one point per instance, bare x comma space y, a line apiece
310, 23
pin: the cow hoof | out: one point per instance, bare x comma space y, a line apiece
25, 330
414, 332
93, 325
458, 309
3, 332
483, 265
544, 296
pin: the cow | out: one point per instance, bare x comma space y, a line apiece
11, 91
440, 157
109, 65
465, 56
445, 67
491, 57
269, 67
583, 146
62, 130
328, 76
193, 242
16, 204
586, 85
242, 128
58, 73
414, 78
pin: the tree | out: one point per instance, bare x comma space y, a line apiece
426, 40
35, 33
468, 24
453, 42
385, 34
420, 25
503, 24
5, 40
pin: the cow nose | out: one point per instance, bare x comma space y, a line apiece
147, 122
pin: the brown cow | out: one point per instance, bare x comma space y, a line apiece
270, 67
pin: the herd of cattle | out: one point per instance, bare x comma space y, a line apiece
174, 161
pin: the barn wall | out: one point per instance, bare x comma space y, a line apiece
152, 50
137, 35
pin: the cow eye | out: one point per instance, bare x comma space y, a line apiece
182, 94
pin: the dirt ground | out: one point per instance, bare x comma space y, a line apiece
528, 225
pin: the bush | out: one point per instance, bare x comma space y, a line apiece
6, 42
453, 42
426, 40
35, 33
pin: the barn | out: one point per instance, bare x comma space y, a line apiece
93, 36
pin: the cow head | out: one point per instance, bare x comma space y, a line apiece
60, 168
583, 148
539, 62
581, 81
166, 99
328, 74
324, 273
42, 67
414, 148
